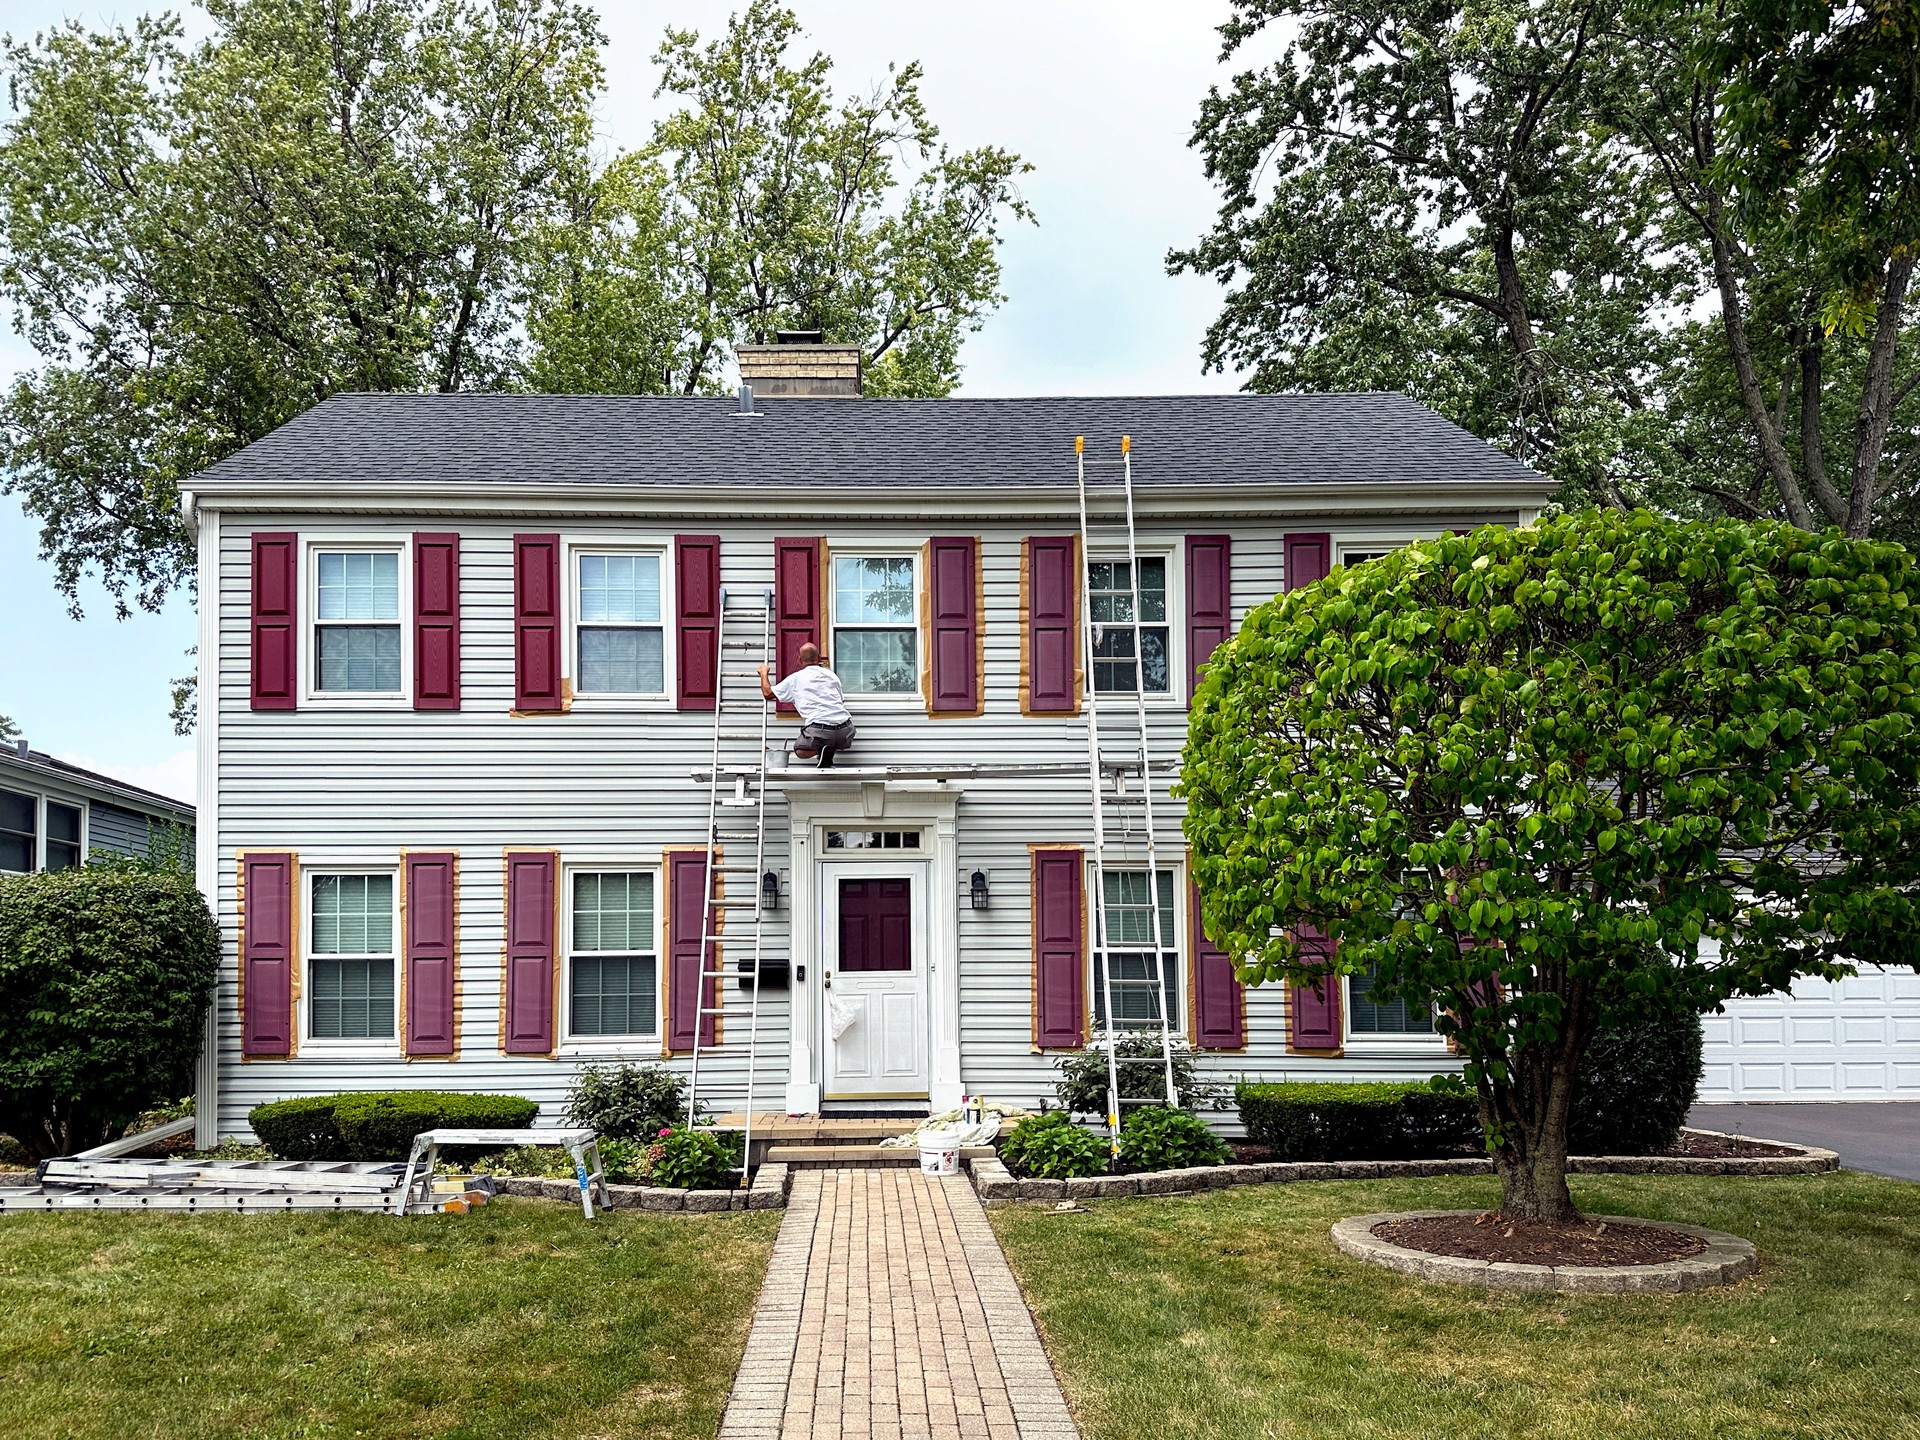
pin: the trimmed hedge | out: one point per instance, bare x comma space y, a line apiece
1636, 1082
1307, 1120
378, 1124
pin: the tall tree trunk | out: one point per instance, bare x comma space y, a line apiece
1529, 1108
1876, 397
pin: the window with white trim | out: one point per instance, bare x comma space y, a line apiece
1129, 916
356, 621
350, 969
876, 624
613, 966
1110, 596
39, 834
620, 638
1368, 1016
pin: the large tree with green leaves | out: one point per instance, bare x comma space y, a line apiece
1564, 223
202, 241
1532, 778
762, 204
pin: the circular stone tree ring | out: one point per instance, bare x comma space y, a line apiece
1726, 1259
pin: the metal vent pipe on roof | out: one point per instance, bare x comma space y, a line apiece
746, 401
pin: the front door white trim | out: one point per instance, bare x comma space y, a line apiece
819, 806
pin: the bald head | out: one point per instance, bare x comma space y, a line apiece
809, 654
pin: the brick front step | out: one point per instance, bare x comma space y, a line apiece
859, 1157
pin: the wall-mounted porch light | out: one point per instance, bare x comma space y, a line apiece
770, 890
977, 890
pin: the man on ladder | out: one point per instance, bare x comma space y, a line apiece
814, 690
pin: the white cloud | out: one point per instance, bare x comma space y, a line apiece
174, 776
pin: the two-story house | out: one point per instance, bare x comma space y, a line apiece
457, 666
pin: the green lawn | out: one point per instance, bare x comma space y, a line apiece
1230, 1314
519, 1319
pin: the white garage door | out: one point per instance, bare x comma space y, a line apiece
1852, 1039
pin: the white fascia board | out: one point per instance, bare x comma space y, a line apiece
62, 786
773, 502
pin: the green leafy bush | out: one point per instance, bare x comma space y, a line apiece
696, 1159
379, 1125
1637, 1081
626, 1162
1051, 1147
105, 977
1156, 1138
627, 1102
1305, 1120
1082, 1086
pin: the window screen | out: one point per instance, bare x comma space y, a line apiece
351, 966
613, 968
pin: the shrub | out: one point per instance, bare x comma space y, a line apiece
696, 1159
626, 1162
1637, 1081
379, 1125
1082, 1086
105, 977
627, 1102
1380, 1121
1052, 1147
1156, 1138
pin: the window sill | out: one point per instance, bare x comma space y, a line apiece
610, 1047
354, 701
1387, 1046
622, 700
356, 1049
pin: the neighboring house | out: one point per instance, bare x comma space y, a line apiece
54, 815
456, 675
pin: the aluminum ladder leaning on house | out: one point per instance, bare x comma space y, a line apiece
1119, 761
736, 812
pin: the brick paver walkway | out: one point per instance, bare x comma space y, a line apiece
889, 1313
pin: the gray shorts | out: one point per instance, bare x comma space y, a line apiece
815, 736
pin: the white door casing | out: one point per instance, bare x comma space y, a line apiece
814, 808
879, 1012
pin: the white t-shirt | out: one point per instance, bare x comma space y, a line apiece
815, 693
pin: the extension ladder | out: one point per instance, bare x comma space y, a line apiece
737, 816
1120, 784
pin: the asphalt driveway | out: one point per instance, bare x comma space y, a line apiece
1878, 1136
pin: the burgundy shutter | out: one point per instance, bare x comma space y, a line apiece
1307, 558
276, 648
1053, 584
1313, 1011
696, 583
436, 622
953, 609
430, 953
686, 917
266, 955
536, 622
1059, 961
1209, 600
1218, 1012
527, 1008
796, 603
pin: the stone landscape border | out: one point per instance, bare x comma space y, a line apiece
1726, 1259
996, 1183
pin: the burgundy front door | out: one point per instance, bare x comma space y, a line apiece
876, 925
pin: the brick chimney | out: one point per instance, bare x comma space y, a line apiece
800, 364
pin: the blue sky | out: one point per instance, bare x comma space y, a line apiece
1100, 97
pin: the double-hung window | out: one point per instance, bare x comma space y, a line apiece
876, 632
28, 842
1368, 1016
613, 963
350, 959
356, 622
1128, 947
1116, 658
621, 637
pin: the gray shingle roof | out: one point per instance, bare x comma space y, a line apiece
676, 441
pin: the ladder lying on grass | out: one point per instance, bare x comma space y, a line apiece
736, 814
1120, 782
81, 1184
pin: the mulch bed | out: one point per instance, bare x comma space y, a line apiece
1524, 1242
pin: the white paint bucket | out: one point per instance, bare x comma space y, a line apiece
939, 1152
